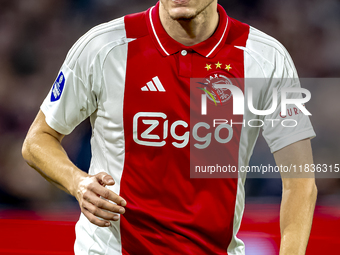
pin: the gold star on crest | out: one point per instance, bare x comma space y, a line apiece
228, 67
218, 65
208, 67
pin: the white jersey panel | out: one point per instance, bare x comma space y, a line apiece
108, 146
267, 64
93, 85
236, 246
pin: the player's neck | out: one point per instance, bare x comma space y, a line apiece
193, 31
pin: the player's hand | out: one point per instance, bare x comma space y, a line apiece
93, 199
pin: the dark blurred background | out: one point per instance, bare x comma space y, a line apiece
35, 36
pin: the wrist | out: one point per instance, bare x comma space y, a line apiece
75, 186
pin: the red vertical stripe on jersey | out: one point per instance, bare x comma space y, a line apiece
168, 212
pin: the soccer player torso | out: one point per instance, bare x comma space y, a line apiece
169, 212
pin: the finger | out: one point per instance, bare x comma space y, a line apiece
99, 212
105, 179
93, 219
103, 204
108, 194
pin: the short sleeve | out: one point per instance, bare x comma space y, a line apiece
75, 93
69, 102
280, 131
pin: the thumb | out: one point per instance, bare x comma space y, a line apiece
105, 179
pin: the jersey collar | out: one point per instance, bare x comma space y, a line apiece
168, 46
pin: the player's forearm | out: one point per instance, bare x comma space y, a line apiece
296, 215
45, 154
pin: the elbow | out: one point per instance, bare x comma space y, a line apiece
311, 190
314, 192
25, 150
303, 187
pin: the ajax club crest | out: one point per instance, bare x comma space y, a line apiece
214, 93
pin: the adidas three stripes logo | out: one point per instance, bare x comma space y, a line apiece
156, 85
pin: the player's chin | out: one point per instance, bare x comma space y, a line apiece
182, 13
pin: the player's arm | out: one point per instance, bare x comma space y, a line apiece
298, 198
43, 151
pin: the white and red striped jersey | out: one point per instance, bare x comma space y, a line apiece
133, 81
